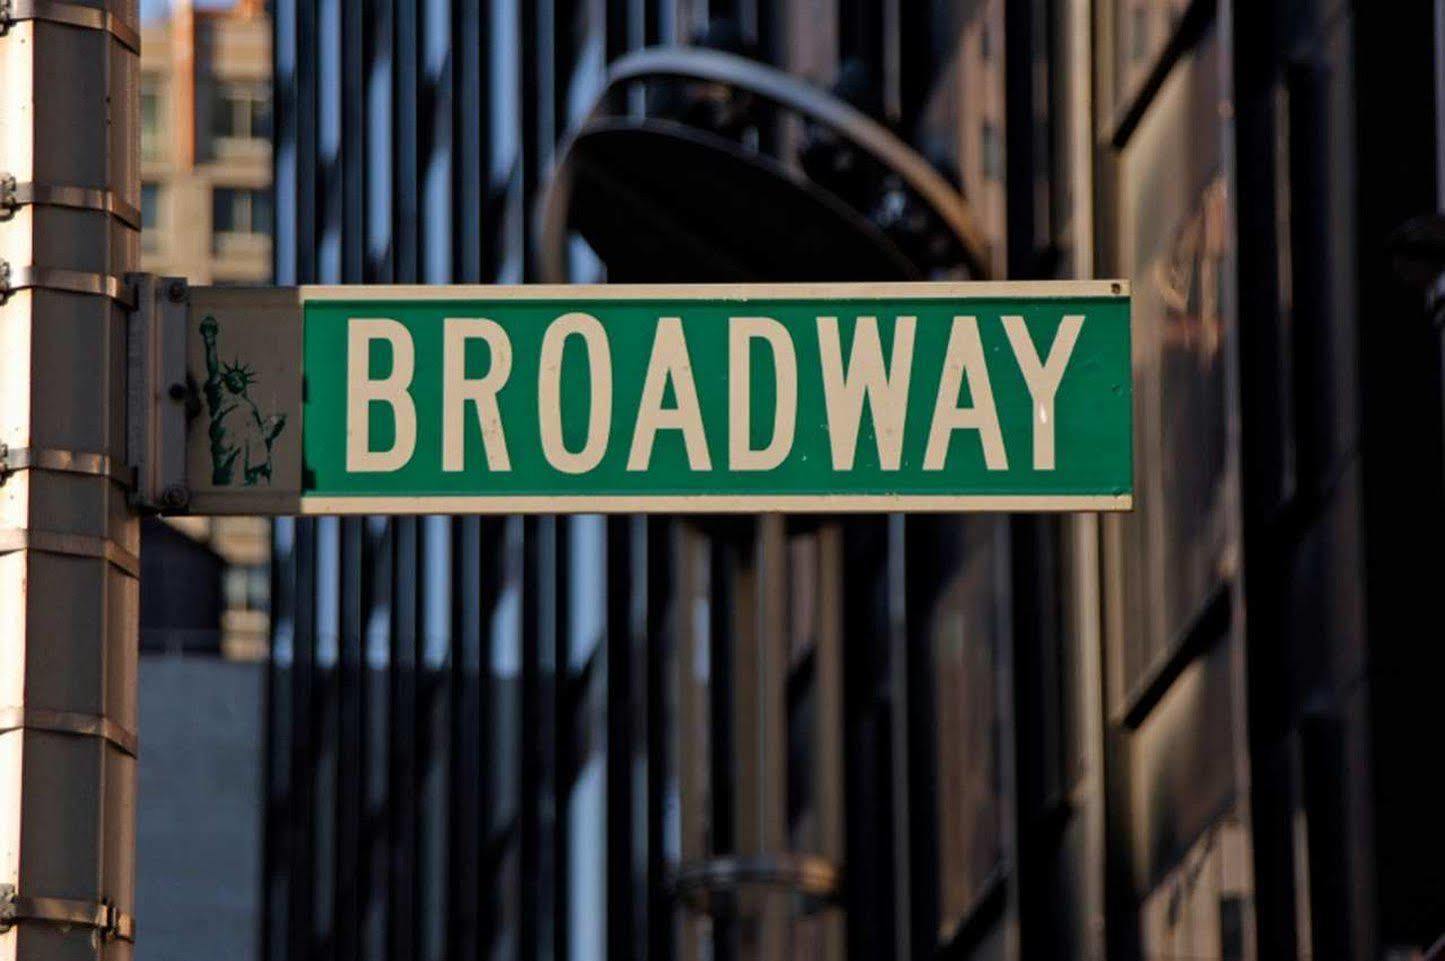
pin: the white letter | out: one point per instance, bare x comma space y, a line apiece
549, 393
741, 332
362, 392
457, 389
1043, 379
669, 360
886, 392
964, 359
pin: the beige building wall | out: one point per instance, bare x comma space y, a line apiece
206, 95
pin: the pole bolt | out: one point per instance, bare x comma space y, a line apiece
175, 497
176, 291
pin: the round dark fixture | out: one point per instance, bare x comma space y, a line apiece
699, 165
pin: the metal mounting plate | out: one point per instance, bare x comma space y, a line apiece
157, 392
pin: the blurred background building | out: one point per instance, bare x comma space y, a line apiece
1201, 731
206, 197
206, 201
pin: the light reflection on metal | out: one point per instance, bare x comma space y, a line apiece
718, 886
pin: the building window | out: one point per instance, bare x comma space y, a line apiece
151, 130
150, 216
247, 587
240, 211
241, 111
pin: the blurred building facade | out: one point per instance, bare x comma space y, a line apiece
1201, 731
207, 209
206, 143
205, 625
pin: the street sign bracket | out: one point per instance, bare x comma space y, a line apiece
15, 277
103, 916
15, 194
14, 459
80, 16
71, 545
157, 393
68, 722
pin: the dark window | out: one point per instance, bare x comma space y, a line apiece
151, 130
241, 111
150, 200
150, 216
247, 587
240, 211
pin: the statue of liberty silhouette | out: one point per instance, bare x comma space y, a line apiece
241, 436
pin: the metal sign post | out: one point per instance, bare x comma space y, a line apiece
680, 399
69, 539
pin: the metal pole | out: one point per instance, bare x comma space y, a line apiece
69, 539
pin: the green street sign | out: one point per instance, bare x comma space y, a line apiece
796, 398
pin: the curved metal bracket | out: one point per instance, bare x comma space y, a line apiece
104, 917
14, 195
71, 545
13, 278
68, 722
769, 83
14, 459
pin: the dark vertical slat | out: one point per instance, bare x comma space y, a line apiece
280, 734
434, 691
622, 940
722, 569
502, 890
531, 763
565, 737
405, 160
534, 115
354, 16
300, 908
860, 34
471, 35
351, 852
375, 763
868, 895
325, 726
465, 799
1019, 146
403, 780
658, 639
306, 141
617, 28
639, 640
538, 802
